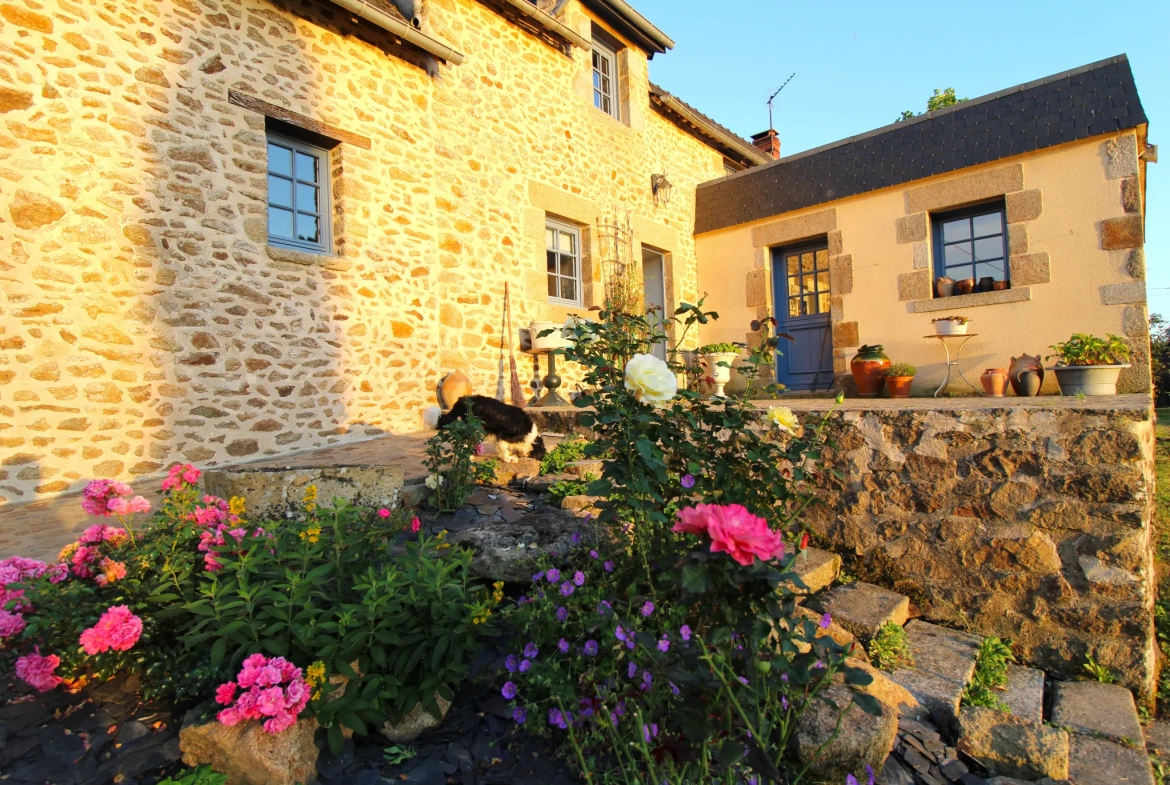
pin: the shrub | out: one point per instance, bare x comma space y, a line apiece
452, 472
559, 457
990, 675
901, 370
890, 649
1083, 349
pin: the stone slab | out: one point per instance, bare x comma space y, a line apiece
944, 661
1158, 741
1010, 746
1095, 761
276, 493
816, 569
862, 608
1105, 710
582, 468
1024, 695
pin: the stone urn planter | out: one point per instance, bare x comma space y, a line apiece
869, 370
718, 367
951, 325
554, 340
249, 755
1088, 379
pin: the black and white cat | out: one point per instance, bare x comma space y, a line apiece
510, 427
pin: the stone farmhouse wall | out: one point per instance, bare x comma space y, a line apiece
144, 319
1032, 524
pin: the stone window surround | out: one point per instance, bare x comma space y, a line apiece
1020, 207
340, 137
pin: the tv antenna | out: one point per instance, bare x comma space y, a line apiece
773, 98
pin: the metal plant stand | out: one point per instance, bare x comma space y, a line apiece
955, 362
550, 382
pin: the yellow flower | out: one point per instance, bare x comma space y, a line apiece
315, 673
783, 418
67, 552
310, 498
236, 505
498, 593
312, 534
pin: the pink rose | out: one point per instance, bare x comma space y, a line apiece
37, 670
733, 530
225, 693
384, 513
271, 701
11, 624
281, 722
118, 629
693, 520
228, 717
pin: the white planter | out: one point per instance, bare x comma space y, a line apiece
947, 327
554, 340
720, 373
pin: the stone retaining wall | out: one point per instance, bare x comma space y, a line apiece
1030, 523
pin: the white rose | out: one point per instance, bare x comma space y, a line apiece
651, 379
783, 418
434, 481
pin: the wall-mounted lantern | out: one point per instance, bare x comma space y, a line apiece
660, 187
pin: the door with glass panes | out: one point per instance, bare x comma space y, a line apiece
804, 358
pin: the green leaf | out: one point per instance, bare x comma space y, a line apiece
731, 753
695, 578
218, 651
868, 703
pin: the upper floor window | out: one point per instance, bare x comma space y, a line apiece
562, 245
971, 244
605, 95
298, 195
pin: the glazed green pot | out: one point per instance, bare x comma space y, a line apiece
869, 370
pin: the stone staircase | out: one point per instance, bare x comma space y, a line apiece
1085, 733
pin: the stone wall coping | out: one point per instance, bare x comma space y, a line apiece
974, 300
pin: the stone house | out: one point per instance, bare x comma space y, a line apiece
242, 228
1039, 188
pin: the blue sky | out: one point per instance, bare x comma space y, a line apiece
859, 64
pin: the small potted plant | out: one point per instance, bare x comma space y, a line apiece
716, 359
951, 325
898, 379
1088, 365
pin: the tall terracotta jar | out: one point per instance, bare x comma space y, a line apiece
869, 370
995, 382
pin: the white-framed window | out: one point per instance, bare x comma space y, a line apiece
298, 195
562, 245
605, 93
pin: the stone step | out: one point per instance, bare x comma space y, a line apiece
944, 661
1011, 746
1097, 761
1158, 741
1024, 695
862, 608
1104, 710
581, 468
581, 503
816, 569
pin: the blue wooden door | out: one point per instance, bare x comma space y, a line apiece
801, 292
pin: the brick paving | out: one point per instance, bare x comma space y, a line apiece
39, 529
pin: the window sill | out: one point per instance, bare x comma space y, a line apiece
281, 254
974, 300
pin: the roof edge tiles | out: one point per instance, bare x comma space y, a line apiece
1091, 100
705, 129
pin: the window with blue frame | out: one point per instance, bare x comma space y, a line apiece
971, 243
298, 195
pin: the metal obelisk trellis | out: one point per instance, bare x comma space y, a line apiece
619, 267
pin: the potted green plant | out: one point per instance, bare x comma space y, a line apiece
716, 359
1088, 365
951, 325
898, 379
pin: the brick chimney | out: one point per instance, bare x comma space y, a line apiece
767, 142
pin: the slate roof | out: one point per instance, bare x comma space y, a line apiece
1094, 99
705, 129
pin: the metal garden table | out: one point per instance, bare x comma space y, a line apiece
963, 338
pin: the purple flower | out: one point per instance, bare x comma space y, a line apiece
537, 577
649, 732
687, 481
613, 717
591, 648
818, 664
647, 608
563, 646
673, 687
553, 575
685, 632
632, 671
647, 679
510, 663
509, 690
567, 589
784, 702
525, 666
579, 578
742, 680
784, 677
869, 773
519, 715
850, 779
594, 555
619, 633
664, 645
576, 539
603, 604
826, 620
562, 613
522, 601
557, 719
608, 566
530, 651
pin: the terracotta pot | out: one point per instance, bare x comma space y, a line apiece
898, 386
965, 286
869, 369
454, 387
1001, 285
1026, 375
995, 382
985, 284
943, 286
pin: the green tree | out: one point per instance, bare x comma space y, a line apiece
939, 100
1160, 359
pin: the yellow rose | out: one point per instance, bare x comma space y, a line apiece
650, 379
783, 418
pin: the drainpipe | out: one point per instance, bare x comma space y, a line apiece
364, 10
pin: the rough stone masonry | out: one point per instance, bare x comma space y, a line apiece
1032, 523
